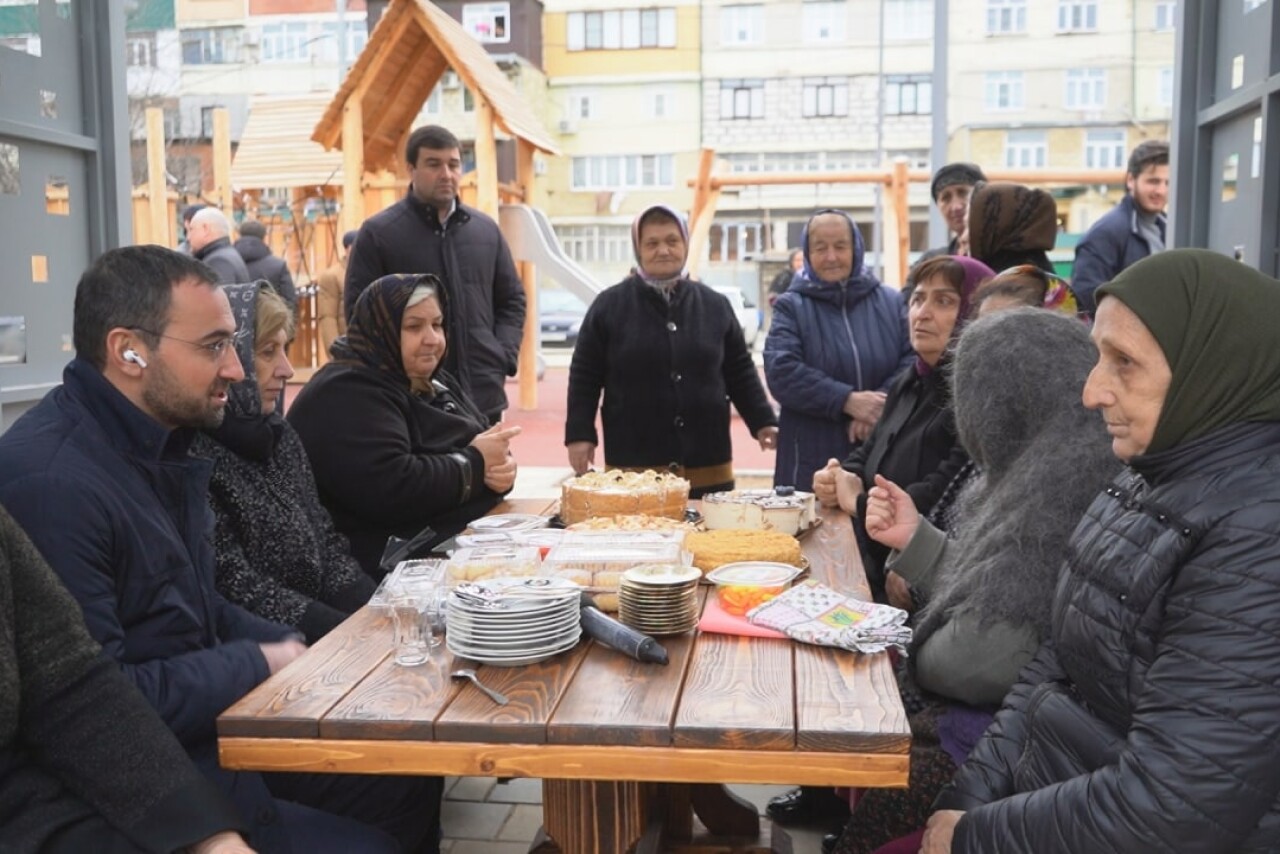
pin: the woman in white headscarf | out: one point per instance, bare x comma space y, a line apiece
669, 355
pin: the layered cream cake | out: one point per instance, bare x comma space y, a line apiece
616, 493
759, 510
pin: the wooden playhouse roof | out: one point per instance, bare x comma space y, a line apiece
271, 152
414, 43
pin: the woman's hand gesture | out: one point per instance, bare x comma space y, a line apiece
891, 515
495, 443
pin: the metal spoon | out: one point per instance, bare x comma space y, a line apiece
468, 673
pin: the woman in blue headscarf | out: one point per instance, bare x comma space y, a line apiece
669, 355
837, 340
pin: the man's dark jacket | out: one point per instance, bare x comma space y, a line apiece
1109, 246
485, 305
120, 511
261, 264
1148, 722
224, 260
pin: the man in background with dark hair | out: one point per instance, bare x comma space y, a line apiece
99, 475
262, 263
1129, 232
951, 187
431, 231
330, 311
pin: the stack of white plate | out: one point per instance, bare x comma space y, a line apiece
659, 599
530, 623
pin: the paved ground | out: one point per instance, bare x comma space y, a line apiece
482, 816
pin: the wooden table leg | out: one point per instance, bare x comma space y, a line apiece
724, 813
590, 817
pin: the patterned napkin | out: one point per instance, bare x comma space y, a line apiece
814, 613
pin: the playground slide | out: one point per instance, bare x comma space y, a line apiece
531, 238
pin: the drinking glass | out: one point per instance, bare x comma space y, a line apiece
413, 635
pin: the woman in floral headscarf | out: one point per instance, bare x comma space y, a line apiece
395, 445
669, 355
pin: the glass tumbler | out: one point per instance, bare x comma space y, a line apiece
413, 636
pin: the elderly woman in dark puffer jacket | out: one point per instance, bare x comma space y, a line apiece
1150, 719
278, 553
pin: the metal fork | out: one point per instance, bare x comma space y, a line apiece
468, 673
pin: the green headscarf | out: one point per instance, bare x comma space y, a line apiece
1216, 321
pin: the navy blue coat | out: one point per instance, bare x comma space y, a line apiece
1111, 245
120, 511
825, 341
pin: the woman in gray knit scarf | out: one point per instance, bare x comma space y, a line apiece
1040, 457
278, 554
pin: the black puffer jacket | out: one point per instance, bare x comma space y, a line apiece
1151, 721
262, 264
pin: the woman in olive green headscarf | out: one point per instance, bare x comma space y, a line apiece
1150, 720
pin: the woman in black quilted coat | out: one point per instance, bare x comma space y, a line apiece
1150, 721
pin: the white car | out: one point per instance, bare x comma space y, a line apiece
748, 314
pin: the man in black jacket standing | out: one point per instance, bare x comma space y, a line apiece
263, 264
431, 231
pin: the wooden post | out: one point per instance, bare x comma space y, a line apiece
901, 218
706, 196
352, 164
222, 161
157, 192
529, 276
486, 159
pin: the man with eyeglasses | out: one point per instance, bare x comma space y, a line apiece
99, 476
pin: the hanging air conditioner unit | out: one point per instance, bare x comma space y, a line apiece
449, 80
568, 126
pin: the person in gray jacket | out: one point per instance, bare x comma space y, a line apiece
210, 237
1038, 458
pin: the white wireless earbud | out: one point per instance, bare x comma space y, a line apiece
131, 355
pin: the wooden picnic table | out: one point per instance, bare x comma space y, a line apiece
628, 752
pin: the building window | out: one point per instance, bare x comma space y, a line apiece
1003, 91
1086, 89
1104, 149
1164, 88
660, 104
290, 42
1006, 16
1077, 16
211, 46
824, 21
488, 23
1164, 14
140, 50
468, 100
622, 29
206, 122
736, 241
326, 44
825, 96
604, 244
1025, 149
172, 123
581, 105
741, 99
432, 106
622, 171
910, 95
908, 19
742, 24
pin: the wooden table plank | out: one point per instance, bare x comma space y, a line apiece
395, 702
564, 761
846, 701
291, 703
617, 700
739, 695
536, 506
533, 691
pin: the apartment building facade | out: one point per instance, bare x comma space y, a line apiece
1067, 84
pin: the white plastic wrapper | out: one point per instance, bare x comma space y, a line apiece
813, 613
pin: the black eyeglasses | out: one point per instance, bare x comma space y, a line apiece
214, 349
